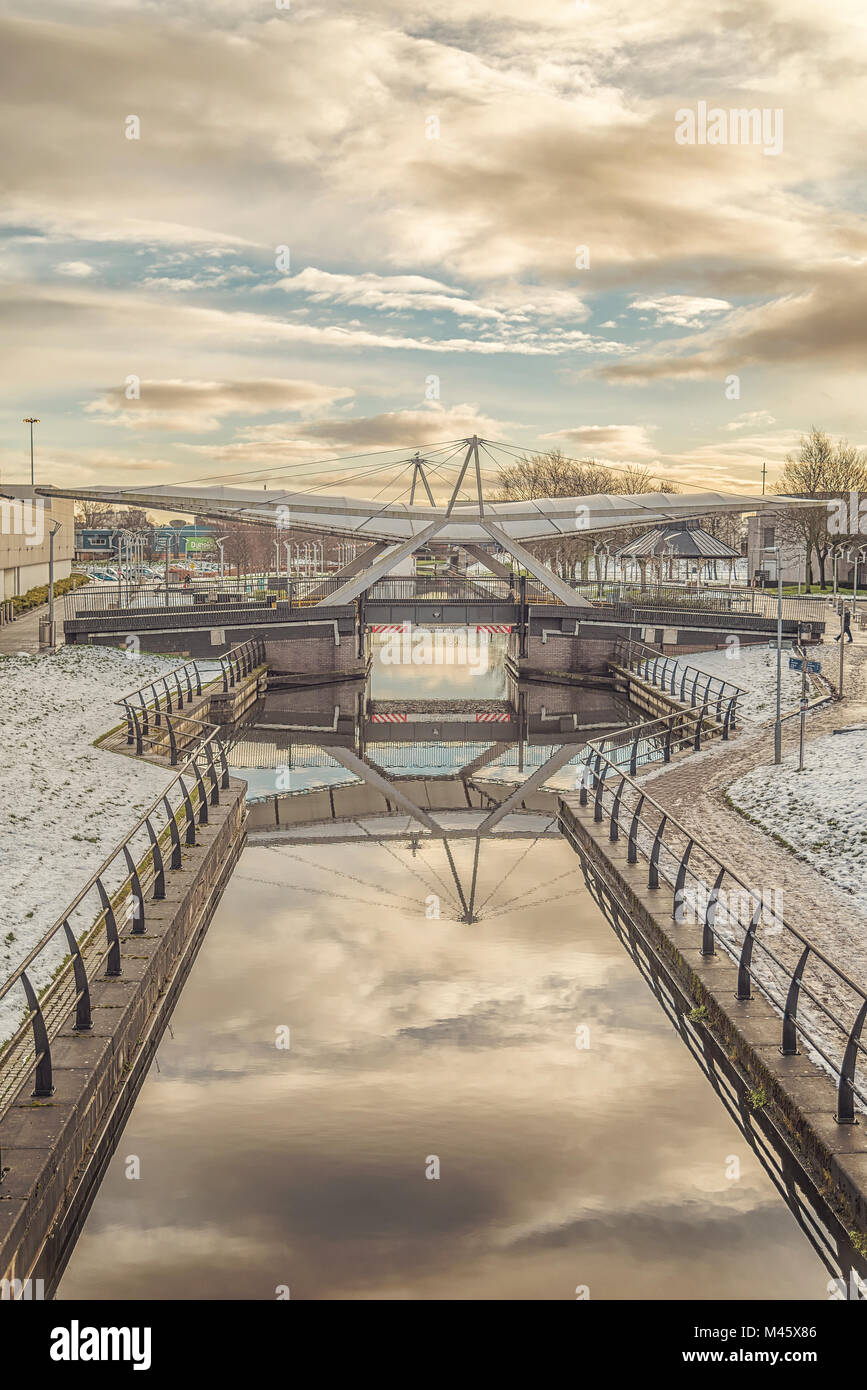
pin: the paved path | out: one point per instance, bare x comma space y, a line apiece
23, 634
693, 791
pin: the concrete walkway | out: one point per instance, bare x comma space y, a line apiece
22, 636
693, 791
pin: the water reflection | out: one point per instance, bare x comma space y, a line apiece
415, 1035
410, 1037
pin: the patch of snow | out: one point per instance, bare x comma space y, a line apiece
65, 804
821, 812
754, 669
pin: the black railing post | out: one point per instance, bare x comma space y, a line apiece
175, 834
203, 795
145, 722
745, 992
632, 843
173, 742
681, 879
138, 735
846, 1089
212, 773
129, 724
599, 788
614, 829
138, 918
789, 1046
42, 1080
83, 1017
225, 676
224, 782
653, 867
198, 678
168, 695
188, 807
633, 756
159, 867
112, 965
708, 945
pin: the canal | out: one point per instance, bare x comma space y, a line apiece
362, 1096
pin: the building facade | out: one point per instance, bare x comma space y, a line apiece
25, 524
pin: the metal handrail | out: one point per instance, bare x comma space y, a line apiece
651, 655
182, 675
235, 664
651, 831
148, 868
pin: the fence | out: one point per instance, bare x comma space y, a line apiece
55, 975
678, 679
705, 891
165, 708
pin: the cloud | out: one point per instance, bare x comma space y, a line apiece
200, 406
312, 439
79, 270
825, 325
684, 310
751, 420
620, 442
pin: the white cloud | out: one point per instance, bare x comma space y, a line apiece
79, 270
197, 407
683, 310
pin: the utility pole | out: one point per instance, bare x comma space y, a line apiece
764, 474
31, 420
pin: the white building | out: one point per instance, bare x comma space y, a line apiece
25, 523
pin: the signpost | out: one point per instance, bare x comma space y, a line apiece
803, 664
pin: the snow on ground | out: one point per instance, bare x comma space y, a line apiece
754, 669
820, 812
65, 804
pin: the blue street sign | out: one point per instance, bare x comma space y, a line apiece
797, 664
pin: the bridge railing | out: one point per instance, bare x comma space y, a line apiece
744, 922
91, 936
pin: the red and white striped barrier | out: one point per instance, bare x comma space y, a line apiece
493, 627
388, 627
491, 717
388, 719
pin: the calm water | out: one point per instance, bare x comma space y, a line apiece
413, 1037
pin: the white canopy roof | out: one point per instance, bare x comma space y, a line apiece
360, 518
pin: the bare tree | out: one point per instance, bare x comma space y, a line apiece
828, 473
554, 474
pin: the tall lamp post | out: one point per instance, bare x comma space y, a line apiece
220, 541
52, 532
778, 725
31, 420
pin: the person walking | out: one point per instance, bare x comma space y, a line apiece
847, 626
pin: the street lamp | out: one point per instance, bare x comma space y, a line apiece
52, 532
218, 540
778, 726
31, 420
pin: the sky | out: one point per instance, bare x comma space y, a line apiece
250, 235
